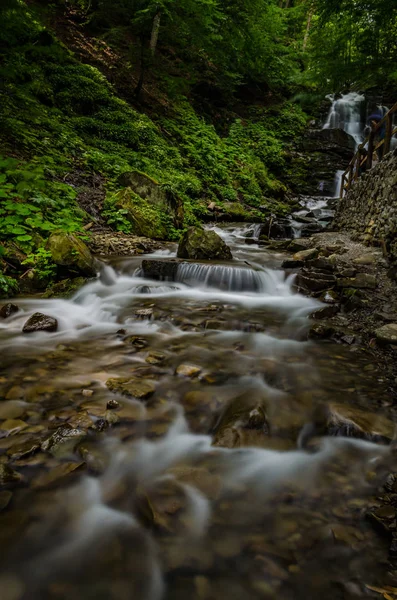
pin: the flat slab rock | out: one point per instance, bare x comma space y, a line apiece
132, 387
387, 334
40, 322
360, 281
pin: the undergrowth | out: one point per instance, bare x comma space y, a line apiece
58, 115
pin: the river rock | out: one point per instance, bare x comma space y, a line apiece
63, 441
71, 254
40, 322
8, 309
160, 270
300, 244
132, 387
315, 281
365, 259
11, 427
292, 264
188, 370
347, 421
57, 475
310, 228
304, 255
387, 334
330, 297
276, 229
361, 280
9, 477
196, 243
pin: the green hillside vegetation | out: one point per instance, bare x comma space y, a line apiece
200, 98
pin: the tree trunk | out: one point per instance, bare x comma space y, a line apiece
155, 32
308, 25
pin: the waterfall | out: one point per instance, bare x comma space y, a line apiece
346, 113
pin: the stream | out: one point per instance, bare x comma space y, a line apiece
154, 442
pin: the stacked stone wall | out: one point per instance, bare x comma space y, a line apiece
369, 209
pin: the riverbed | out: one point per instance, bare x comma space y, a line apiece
152, 448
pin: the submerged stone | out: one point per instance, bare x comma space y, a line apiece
12, 426
57, 475
63, 441
8, 309
199, 244
40, 322
341, 420
188, 370
132, 387
8, 476
5, 497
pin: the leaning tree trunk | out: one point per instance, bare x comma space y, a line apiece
308, 26
155, 32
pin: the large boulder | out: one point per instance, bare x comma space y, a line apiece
275, 228
160, 270
196, 243
329, 140
156, 196
71, 254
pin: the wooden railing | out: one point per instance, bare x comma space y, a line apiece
363, 159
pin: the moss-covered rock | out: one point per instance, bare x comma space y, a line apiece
65, 288
199, 244
71, 253
157, 196
146, 219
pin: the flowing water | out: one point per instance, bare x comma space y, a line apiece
192, 484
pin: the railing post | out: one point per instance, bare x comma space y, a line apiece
357, 165
370, 149
351, 174
388, 135
342, 185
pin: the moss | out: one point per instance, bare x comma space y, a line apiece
71, 253
145, 218
65, 288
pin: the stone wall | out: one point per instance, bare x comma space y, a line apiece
369, 209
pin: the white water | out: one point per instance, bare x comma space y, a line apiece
345, 113
102, 516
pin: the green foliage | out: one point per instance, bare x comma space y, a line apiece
353, 43
41, 261
31, 206
8, 286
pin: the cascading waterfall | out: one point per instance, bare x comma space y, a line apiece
347, 113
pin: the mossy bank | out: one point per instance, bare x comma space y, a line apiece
60, 117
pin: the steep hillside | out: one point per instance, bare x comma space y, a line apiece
64, 126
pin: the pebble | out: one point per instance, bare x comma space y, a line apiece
112, 404
188, 370
87, 393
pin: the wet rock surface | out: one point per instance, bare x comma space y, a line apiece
40, 322
185, 405
7, 310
